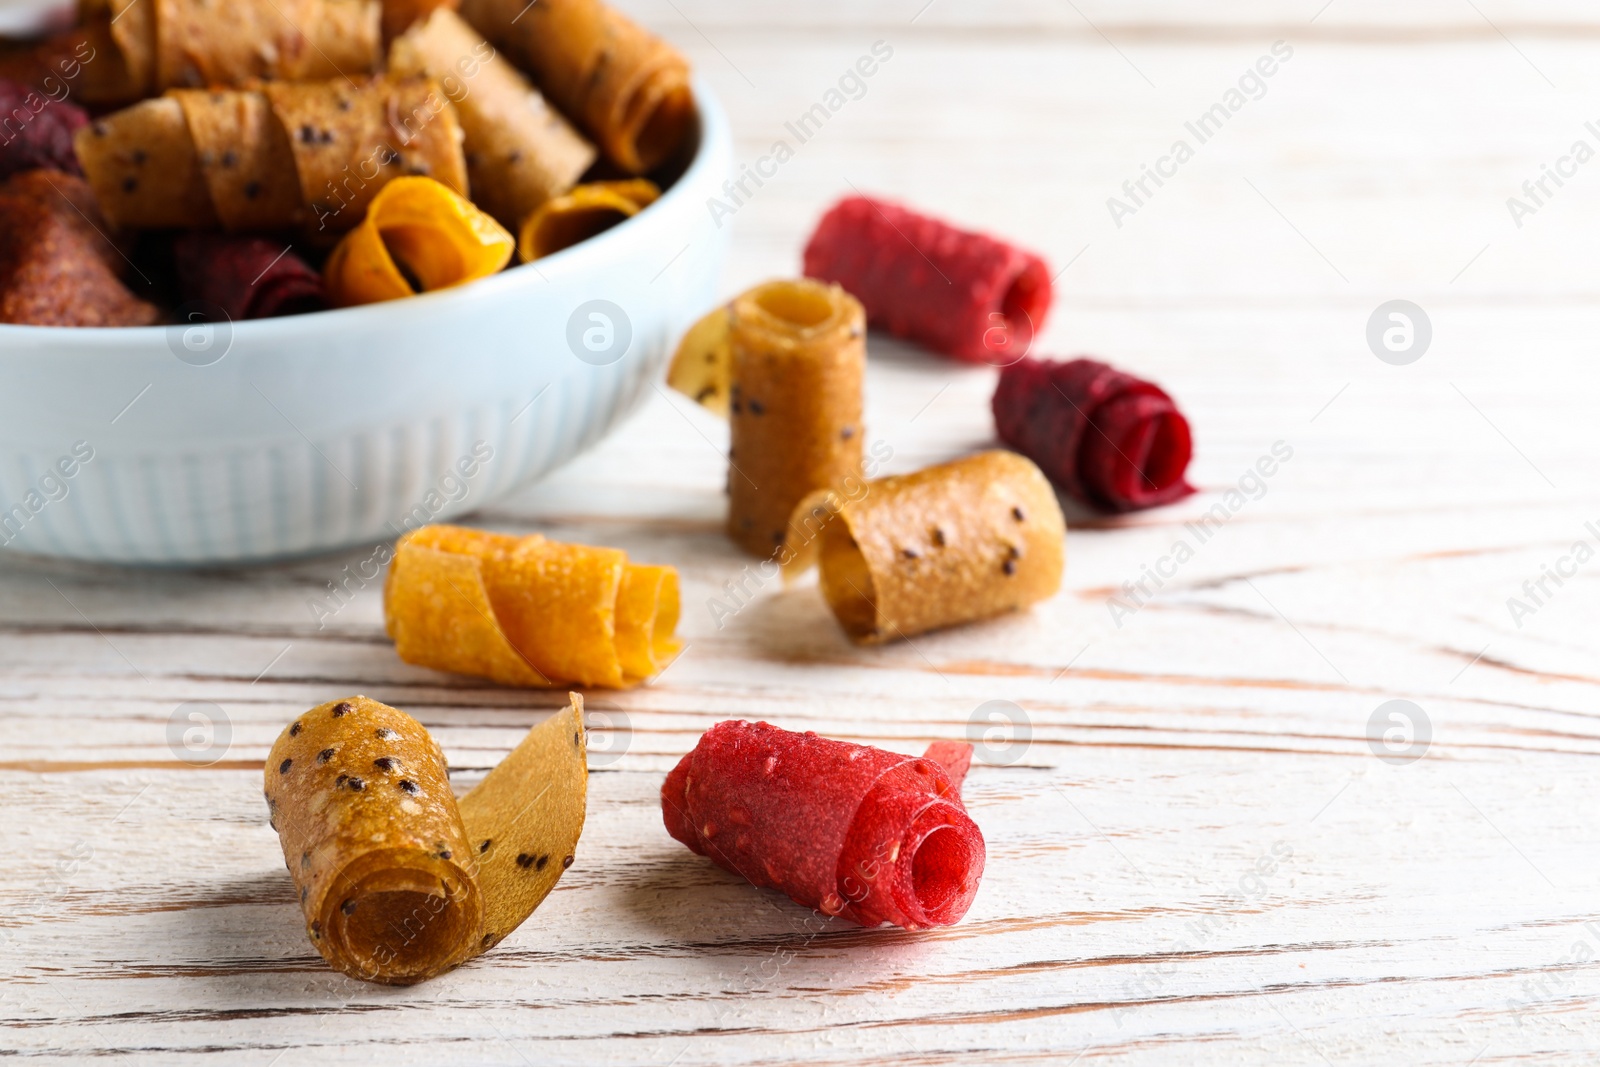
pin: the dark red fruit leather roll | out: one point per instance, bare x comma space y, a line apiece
247, 277
1110, 440
850, 830
964, 294
36, 131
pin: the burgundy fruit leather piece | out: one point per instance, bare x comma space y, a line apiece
1112, 441
36, 131
247, 277
966, 294
851, 830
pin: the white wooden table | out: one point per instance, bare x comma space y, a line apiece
1198, 856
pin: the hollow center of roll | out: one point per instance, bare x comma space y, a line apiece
939, 870
803, 307
665, 127
1023, 307
846, 580
405, 931
1167, 455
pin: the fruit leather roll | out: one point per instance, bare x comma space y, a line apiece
309, 155
57, 267
528, 611
1112, 441
145, 46
850, 830
964, 294
520, 151
244, 277
949, 544
398, 881
626, 87
797, 356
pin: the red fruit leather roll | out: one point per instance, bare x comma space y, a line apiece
247, 277
965, 294
850, 830
1112, 441
36, 130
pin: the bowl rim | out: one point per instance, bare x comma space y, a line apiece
714, 135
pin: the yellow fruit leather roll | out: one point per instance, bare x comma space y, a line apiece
529, 611
398, 881
168, 44
949, 544
625, 86
520, 151
306, 155
794, 354
582, 213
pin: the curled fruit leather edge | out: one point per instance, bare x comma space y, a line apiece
399, 881
246, 277
851, 830
1109, 440
965, 294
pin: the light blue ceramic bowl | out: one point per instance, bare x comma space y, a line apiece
289, 436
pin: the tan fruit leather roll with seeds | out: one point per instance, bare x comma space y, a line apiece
528, 611
798, 354
520, 151
625, 86
303, 156
146, 46
949, 544
399, 881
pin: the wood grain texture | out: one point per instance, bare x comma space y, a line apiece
1197, 857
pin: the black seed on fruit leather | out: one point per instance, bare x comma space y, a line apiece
305, 859
324, 756
408, 786
486, 843
130, 184
348, 907
541, 861
294, 731
283, 768
574, 737
488, 940
252, 189
308, 134
938, 537
139, 157
386, 763
383, 733
338, 783
444, 853
757, 408
1009, 566
524, 860
777, 537
566, 863
357, 785
1018, 514
910, 553
230, 158
316, 931
848, 432
343, 708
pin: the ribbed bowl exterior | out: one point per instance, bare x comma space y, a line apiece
320, 431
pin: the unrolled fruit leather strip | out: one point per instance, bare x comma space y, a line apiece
625, 86
798, 357
854, 831
307, 155
582, 213
398, 881
416, 231
949, 544
145, 46
528, 611
520, 151
702, 367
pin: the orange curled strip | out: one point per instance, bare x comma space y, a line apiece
581, 213
418, 236
398, 880
528, 611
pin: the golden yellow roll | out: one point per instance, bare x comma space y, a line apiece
797, 356
625, 86
398, 882
152, 45
528, 611
953, 543
520, 151
305, 155
582, 213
